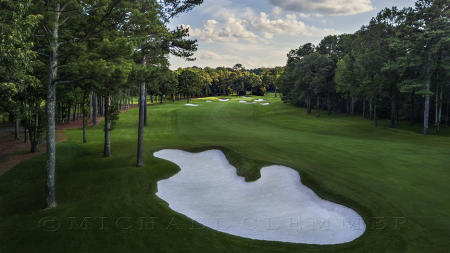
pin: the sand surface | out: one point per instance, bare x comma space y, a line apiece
277, 207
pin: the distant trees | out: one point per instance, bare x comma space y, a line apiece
189, 83
382, 70
226, 81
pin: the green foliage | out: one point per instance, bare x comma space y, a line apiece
189, 82
384, 63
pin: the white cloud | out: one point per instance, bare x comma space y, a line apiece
290, 24
277, 11
251, 27
229, 28
208, 55
330, 7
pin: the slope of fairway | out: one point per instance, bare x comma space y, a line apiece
395, 178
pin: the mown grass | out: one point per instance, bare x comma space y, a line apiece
395, 178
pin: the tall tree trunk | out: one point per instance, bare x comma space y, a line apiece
329, 104
74, 113
364, 108
26, 135
145, 108
375, 123
447, 114
94, 109
84, 118
90, 108
436, 111
347, 102
439, 98
107, 147
35, 134
308, 104
50, 194
17, 128
426, 115
69, 113
352, 106
142, 116
101, 106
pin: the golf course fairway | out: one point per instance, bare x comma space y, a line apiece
396, 179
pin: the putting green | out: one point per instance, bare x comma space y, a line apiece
395, 178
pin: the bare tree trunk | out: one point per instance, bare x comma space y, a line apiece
50, 194
17, 129
83, 111
308, 104
447, 115
26, 135
329, 104
68, 113
35, 134
439, 98
145, 108
94, 109
364, 108
436, 111
90, 107
74, 113
352, 106
107, 147
142, 116
426, 116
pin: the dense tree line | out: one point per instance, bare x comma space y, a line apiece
228, 81
63, 60
395, 67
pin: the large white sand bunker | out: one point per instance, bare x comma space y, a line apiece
224, 100
192, 105
277, 207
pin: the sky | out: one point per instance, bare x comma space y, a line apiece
260, 33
